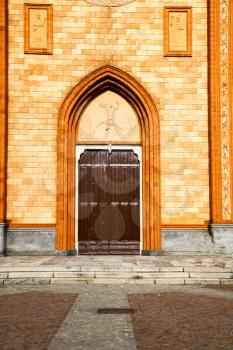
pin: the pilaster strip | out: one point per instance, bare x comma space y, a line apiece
3, 108
214, 112
224, 114
230, 82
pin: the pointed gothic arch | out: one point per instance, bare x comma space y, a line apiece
99, 81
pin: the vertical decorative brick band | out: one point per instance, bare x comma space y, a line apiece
3, 107
214, 111
225, 122
230, 82
220, 109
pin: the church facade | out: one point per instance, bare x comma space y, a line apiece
116, 124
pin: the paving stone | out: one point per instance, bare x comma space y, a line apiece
70, 280
226, 281
85, 329
207, 269
202, 281
211, 275
125, 275
74, 274
181, 321
73, 267
27, 281
145, 268
34, 274
171, 269
115, 274
171, 275
91, 268
39, 268
169, 281
122, 280
118, 267
30, 320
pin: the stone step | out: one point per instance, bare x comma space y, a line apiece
102, 280
114, 274
107, 277
120, 269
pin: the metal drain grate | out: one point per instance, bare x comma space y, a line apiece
115, 311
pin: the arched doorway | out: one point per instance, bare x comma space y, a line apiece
108, 79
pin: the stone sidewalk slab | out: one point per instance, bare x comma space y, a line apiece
85, 329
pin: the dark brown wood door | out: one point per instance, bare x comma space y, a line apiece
109, 202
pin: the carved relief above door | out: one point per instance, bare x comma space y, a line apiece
109, 118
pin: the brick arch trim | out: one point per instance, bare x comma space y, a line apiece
103, 79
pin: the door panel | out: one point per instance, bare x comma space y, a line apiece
109, 202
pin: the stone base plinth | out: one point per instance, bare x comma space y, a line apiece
66, 252
222, 237
187, 241
2, 239
31, 241
218, 239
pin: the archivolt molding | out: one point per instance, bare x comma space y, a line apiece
101, 80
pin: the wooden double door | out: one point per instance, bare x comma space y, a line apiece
109, 202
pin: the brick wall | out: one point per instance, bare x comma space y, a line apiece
86, 37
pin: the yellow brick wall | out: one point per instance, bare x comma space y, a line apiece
87, 37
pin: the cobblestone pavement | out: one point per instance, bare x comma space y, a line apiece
165, 317
31, 319
180, 321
